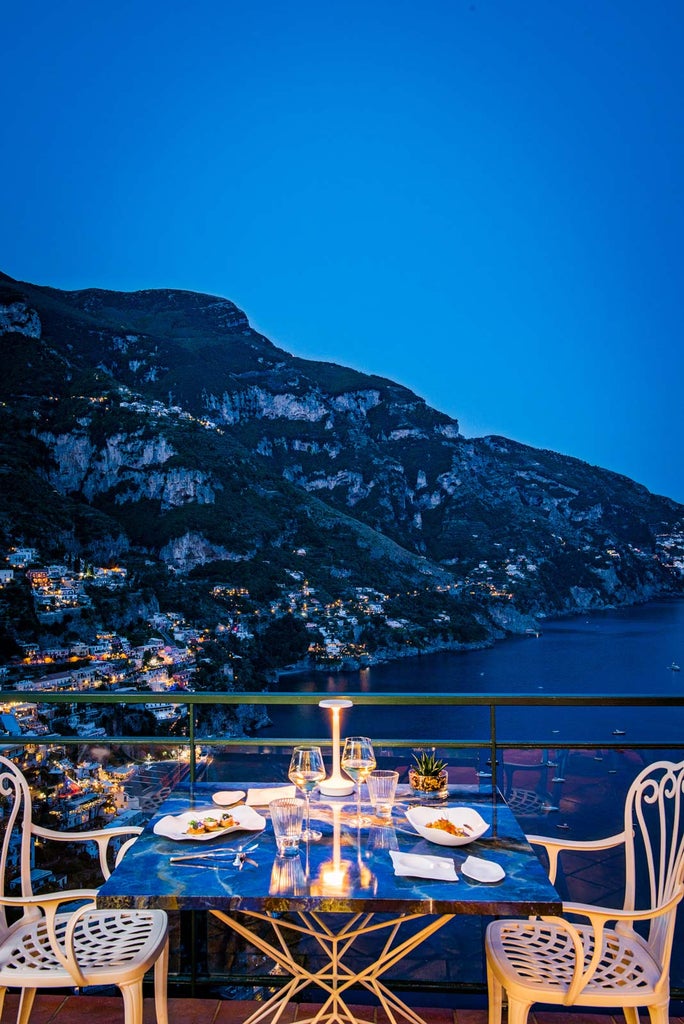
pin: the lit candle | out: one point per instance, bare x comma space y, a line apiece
336, 784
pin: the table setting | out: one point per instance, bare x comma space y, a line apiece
393, 833
277, 859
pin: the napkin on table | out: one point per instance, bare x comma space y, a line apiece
260, 797
482, 870
416, 865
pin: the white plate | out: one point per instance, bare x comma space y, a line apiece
467, 819
415, 865
175, 826
482, 870
228, 797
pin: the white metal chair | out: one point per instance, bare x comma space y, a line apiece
59, 939
551, 960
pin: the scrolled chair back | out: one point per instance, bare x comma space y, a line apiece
15, 824
654, 845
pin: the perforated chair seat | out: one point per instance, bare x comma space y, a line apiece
106, 944
538, 957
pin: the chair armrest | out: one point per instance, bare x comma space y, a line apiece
554, 847
101, 836
599, 916
50, 899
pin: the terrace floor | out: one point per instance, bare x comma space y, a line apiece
85, 1009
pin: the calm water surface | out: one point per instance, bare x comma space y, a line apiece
620, 652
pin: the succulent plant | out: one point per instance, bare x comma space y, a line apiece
428, 764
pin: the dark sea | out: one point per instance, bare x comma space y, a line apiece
624, 652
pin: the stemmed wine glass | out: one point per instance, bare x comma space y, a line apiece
306, 771
358, 761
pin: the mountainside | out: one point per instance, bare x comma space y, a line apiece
158, 427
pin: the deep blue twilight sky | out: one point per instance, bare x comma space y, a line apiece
481, 199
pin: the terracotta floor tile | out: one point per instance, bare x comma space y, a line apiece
432, 1014
306, 1010
471, 1016
234, 1011
44, 1009
89, 1008
84, 1009
443, 1015
367, 1012
573, 1017
185, 1011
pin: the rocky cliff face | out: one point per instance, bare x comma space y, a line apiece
174, 423
17, 318
128, 466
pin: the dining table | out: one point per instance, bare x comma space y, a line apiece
379, 882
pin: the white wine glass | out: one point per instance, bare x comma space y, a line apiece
358, 761
306, 771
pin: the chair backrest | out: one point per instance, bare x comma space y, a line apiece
654, 847
15, 824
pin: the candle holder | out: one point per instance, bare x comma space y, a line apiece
336, 784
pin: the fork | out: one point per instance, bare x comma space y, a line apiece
224, 854
241, 856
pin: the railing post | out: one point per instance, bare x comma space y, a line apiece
191, 740
492, 744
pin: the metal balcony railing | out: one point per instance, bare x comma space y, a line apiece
563, 761
491, 737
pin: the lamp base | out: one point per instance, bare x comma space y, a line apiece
336, 786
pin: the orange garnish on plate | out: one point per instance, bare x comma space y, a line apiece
448, 826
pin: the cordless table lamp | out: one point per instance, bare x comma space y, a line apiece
336, 784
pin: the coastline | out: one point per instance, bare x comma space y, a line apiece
384, 657
527, 626
617, 651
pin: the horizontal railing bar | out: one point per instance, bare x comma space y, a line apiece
240, 742
380, 699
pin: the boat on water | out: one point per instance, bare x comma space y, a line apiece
532, 632
674, 667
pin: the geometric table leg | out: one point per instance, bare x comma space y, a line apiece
334, 978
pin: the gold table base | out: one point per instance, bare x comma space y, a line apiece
335, 978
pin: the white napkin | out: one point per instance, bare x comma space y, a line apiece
261, 797
416, 865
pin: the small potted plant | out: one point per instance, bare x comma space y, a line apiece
428, 776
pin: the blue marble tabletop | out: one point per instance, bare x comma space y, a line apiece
348, 870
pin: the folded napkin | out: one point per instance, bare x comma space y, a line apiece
261, 797
416, 865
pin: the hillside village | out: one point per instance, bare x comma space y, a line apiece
356, 630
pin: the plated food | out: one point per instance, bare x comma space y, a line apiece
209, 823
198, 826
447, 826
